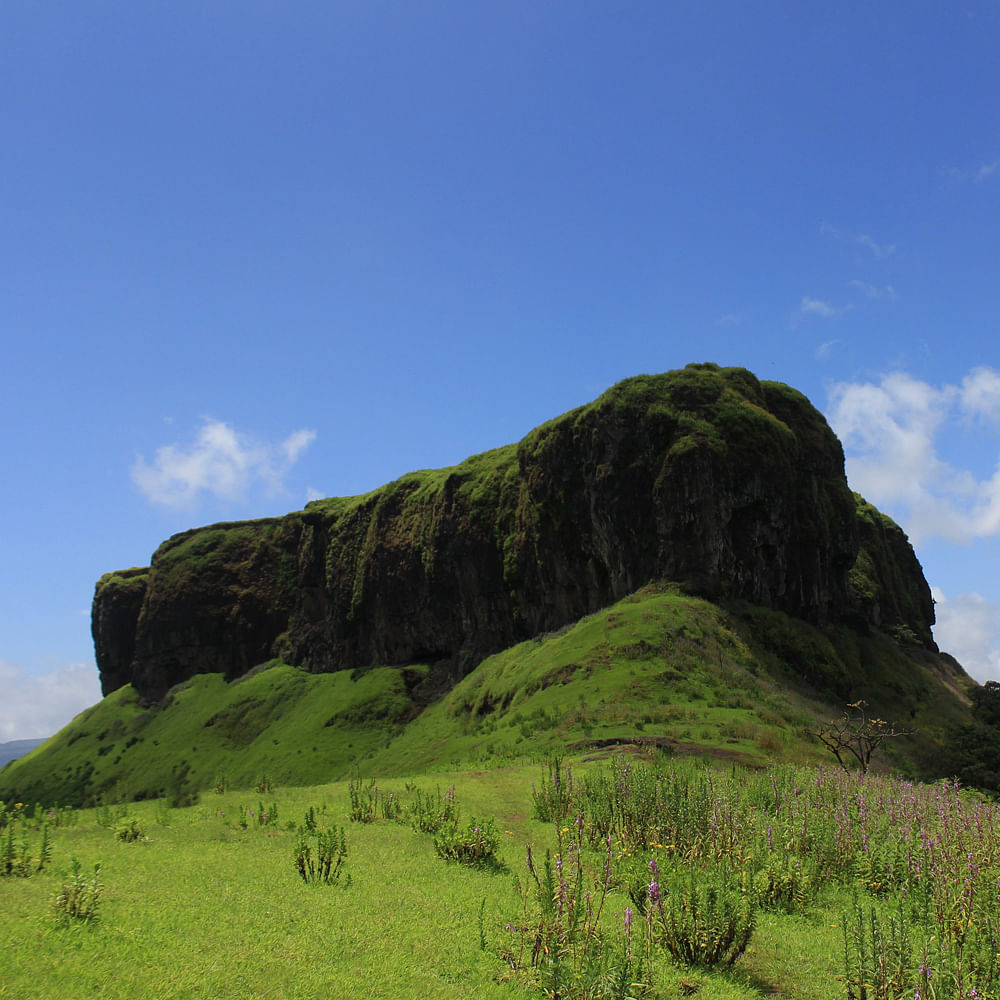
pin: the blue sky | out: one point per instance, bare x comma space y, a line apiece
253, 253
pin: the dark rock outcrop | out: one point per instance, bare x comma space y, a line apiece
705, 476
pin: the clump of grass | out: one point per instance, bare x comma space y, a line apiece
474, 844
17, 857
554, 800
784, 882
433, 813
309, 823
324, 864
79, 896
9, 812
129, 830
263, 816
109, 815
557, 938
54, 816
877, 954
369, 802
701, 920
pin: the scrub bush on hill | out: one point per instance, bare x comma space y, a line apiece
17, 857
557, 938
974, 749
433, 813
322, 864
474, 844
78, 899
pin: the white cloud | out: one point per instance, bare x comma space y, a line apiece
968, 627
980, 395
314, 494
297, 443
824, 349
37, 706
985, 170
875, 291
816, 307
976, 174
880, 250
889, 431
730, 319
220, 461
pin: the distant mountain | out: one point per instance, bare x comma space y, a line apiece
17, 748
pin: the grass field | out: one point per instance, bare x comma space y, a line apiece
207, 902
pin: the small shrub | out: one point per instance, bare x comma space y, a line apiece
702, 920
129, 830
325, 866
876, 954
264, 786
475, 844
433, 813
784, 883
17, 858
261, 817
554, 800
109, 816
162, 813
79, 896
54, 816
557, 937
310, 820
369, 802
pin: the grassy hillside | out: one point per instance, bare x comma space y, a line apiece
659, 667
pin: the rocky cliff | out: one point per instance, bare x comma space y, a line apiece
733, 487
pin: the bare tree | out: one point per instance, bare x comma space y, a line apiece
856, 734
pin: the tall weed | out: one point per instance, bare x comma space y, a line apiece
79, 896
324, 864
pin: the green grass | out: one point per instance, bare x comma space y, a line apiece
204, 908
297, 727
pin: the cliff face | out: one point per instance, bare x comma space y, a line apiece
703, 476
